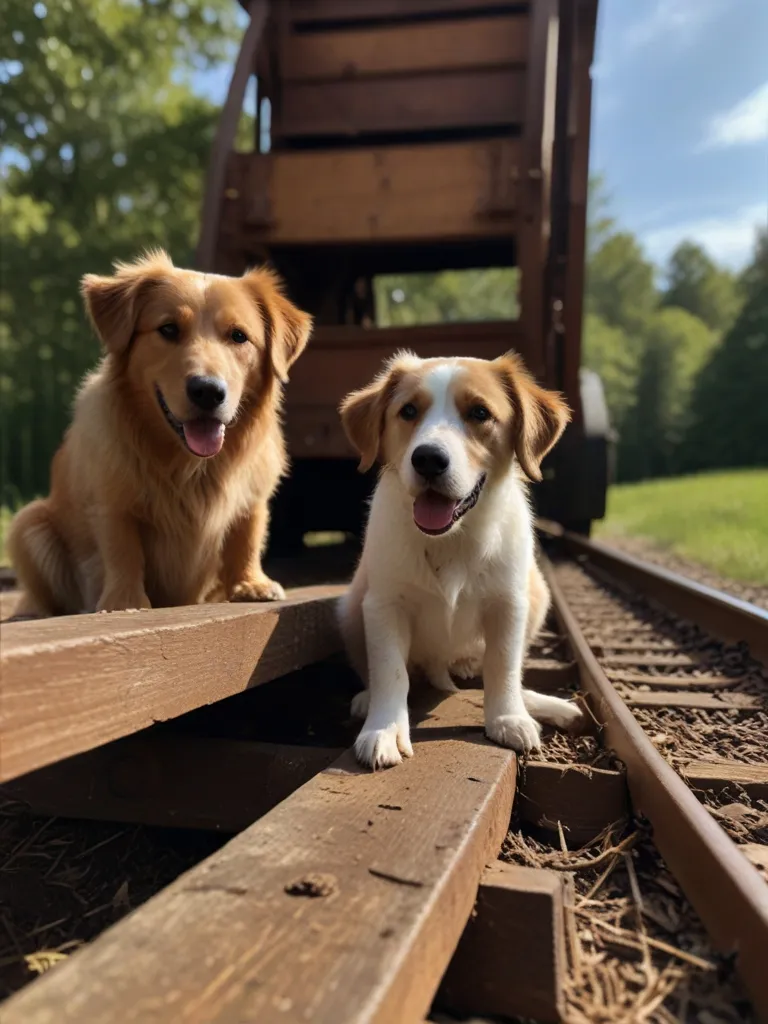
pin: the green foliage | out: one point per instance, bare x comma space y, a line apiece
729, 411
107, 146
697, 284
620, 282
452, 296
676, 345
615, 356
717, 519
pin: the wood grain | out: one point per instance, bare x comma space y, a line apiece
715, 776
584, 800
511, 959
461, 99
73, 683
437, 46
703, 701
172, 781
395, 857
395, 194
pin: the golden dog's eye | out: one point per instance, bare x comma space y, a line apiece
479, 413
409, 412
238, 336
169, 331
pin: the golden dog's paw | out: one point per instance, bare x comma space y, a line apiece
257, 590
122, 601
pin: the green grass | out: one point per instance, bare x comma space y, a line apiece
717, 519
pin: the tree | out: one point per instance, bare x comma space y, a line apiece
675, 347
615, 357
620, 282
106, 145
696, 283
729, 412
451, 296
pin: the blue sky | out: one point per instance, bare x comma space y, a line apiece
680, 121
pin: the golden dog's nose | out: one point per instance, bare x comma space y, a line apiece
207, 393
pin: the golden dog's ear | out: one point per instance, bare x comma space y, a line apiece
362, 412
286, 327
113, 303
540, 416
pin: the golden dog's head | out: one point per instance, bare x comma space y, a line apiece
448, 426
201, 349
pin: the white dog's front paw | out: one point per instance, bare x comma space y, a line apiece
359, 706
383, 748
518, 732
568, 715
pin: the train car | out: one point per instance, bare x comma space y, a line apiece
412, 136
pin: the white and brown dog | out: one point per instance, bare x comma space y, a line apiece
448, 581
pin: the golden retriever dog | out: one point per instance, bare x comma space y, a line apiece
448, 581
159, 491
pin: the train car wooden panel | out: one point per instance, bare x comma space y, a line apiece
415, 136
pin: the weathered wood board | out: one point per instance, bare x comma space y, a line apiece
345, 903
75, 682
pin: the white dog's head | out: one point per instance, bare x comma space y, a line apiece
447, 426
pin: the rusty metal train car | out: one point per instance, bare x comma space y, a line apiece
412, 136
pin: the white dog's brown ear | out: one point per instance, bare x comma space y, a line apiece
540, 416
286, 327
362, 414
113, 303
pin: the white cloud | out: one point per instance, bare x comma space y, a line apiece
728, 240
678, 19
744, 123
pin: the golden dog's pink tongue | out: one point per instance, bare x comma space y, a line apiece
433, 512
204, 437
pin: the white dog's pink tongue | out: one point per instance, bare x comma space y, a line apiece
204, 437
433, 511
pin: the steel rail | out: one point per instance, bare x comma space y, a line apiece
728, 618
723, 887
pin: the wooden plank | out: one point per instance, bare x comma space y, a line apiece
536, 169
420, 193
678, 682
462, 99
651, 660
168, 780
437, 46
715, 776
393, 859
584, 800
73, 683
702, 701
308, 11
518, 909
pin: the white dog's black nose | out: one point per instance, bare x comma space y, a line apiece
207, 393
430, 460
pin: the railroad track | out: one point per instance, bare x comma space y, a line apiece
619, 875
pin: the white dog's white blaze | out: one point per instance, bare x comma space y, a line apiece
472, 593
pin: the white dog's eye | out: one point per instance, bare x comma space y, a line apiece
238, 336
409, 412
479, 413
